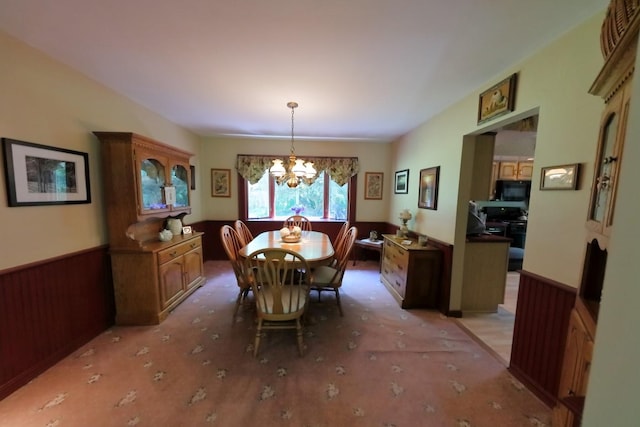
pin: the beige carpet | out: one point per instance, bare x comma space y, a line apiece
378, 365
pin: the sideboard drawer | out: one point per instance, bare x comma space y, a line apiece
177, 251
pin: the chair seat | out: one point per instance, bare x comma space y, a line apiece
325, 276
290, 293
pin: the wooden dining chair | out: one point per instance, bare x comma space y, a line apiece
337, 242
281, 280
243, 231
329, 277
298, 221
232, 243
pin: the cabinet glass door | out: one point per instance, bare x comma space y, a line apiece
180, 180
152, 182
602, 188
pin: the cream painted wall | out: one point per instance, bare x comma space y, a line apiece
47, 103
554, 82
220, 153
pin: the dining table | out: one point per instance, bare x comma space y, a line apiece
313, 246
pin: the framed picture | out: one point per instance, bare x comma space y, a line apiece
41, 175
428, 188
498, 99
563, 177
373, 185
220, 182
402, 182
186, 229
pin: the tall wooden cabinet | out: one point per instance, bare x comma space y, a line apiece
619, 42
146, 182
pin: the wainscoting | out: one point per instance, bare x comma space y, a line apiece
539, 334
50, 308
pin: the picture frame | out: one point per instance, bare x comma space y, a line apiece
428, 188
220, 182
186, 229
373, 183
499, 99
561, 177
401, 182
37, 174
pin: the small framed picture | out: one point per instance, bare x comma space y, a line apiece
186, 229
220, 182
402, 182
563, 177
373, 185
428, 188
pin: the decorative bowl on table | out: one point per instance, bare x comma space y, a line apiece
291, 238
290, 235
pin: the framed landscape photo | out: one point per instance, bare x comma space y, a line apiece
402, 182
428, 188
220, 182
373, 185
499, 99
563, 177
41, 175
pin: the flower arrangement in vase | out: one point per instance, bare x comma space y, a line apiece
298, 209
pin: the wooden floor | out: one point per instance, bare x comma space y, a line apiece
495, 330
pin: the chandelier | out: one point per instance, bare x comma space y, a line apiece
297, 170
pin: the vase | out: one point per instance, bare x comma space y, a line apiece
175, 225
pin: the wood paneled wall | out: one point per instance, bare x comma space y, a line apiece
49, 309
540, 333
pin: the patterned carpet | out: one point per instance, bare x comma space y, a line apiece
378, 365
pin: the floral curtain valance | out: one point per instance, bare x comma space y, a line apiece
340, 169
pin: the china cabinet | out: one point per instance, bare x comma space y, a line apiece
411, 272
619, 41
146, 186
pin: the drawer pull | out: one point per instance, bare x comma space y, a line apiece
173, 254
193, 245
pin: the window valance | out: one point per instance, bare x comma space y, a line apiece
339, 169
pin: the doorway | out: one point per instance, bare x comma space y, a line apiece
512, 167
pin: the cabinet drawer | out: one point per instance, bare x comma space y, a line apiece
176, 251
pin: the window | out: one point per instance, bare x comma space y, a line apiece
324, 199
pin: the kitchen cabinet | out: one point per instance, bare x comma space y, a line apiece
515, 170
486, 259
146, 183
411, 272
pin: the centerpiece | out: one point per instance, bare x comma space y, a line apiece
291, 235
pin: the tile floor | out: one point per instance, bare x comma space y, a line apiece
495, 330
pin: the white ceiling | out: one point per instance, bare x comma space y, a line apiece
362, 69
